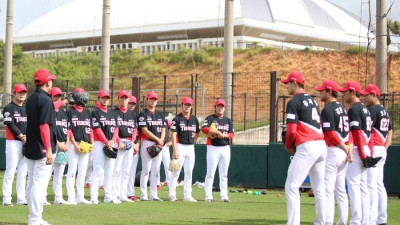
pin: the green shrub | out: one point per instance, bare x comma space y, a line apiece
356, 50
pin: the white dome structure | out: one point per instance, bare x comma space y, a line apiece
302, 22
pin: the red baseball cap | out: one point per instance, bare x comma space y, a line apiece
371, 89
19, 88
152, 94
352, 86
55, 91
81, 90
219, 102
328, 85
187, 100
294, 76
104, 93
132, 99
123, 93
42, 76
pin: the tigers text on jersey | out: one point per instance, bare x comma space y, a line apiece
154, 121
185, 129
79, 123
126, 122
223, 124
303, 110
381, 124
14, 115
61, 125
360, 119
334, 118
105, 121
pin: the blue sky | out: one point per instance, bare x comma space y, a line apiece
26, 11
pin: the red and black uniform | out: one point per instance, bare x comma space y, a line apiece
303, 120
15, 121
335, 123
360, 126
223, 125
154, 121
61, 125
185, 128
79, 123
381, 124
127, 123
104, 124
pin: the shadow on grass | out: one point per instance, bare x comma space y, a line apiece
241, 222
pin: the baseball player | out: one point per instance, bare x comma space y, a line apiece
15, 123
382, 137
356, 175
335, 124
40, 143
185, 131
79, 130
218, 150
305, 138
152, 131
165, 156
62, 144
105, 134
135, 158
127, 130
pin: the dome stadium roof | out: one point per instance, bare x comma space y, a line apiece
79, 22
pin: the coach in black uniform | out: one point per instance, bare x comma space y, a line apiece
184, 133
15, 125
40, 143
382, 137
152, 127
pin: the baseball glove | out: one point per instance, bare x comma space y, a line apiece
128, 144
175, 165
85, 147
213, 128
154, 150
78, 98
61, 158
370, 161
110, 153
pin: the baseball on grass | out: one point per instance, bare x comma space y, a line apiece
278, 195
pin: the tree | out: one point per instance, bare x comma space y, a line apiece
393, 27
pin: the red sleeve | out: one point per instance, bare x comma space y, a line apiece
357, 136
333, 137
91, 135
350, 139
371, 145
205, 130
115, 134
45, 135
134, 134
70, 134
291, 129
99, 134
231, 135
58, 104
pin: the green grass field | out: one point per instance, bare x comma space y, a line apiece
243, 209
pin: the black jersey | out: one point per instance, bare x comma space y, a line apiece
61, 125
154, 121
14, 120
360, 119
334, 118
79, 123
105, 121
380, 124
223, 124
185, 129
126, 122
303, 110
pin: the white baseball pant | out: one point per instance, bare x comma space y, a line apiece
187, 158
335, 185
57, 179
132, 177
89, 169
165, 159
37, 179
217, 156
102, 166
149, 166
76, 162
15, 161
356, 178
309, 159
377, 190
122, 171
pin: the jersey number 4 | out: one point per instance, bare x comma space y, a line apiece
315, 115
